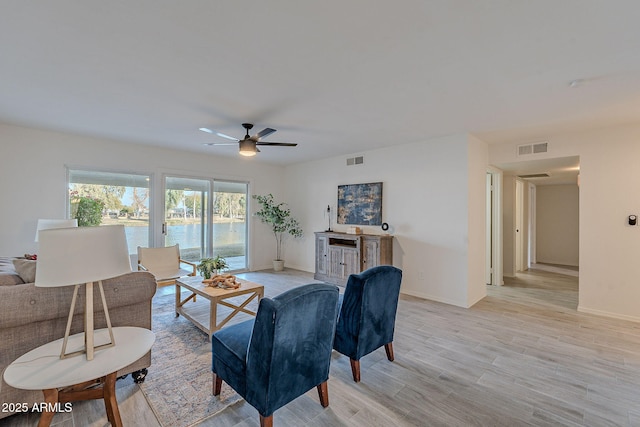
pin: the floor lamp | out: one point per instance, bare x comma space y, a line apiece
46, 224
82, 255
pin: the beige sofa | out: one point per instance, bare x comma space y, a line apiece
30, 317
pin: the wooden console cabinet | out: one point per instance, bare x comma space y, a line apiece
340, 254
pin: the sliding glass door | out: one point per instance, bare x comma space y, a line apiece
206, 226
186, 216
230, 222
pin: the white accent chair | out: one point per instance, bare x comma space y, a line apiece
165, 264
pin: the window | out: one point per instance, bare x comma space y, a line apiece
107, 198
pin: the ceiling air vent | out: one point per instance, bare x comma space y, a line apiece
355, 161
535, 175
538, 147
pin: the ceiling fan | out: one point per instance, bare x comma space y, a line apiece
248, 145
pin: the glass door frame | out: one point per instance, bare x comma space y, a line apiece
207, 238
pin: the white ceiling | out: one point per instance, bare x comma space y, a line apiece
337, 77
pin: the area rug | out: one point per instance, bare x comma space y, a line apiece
178, 385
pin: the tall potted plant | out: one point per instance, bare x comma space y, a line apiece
278, 217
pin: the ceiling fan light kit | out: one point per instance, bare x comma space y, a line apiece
248, 145
248, 148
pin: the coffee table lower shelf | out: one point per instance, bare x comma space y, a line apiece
206, 319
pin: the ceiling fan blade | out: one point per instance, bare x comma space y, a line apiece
215, 132
219, 143
263, 133
278, 144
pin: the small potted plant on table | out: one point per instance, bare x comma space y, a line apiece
211, 266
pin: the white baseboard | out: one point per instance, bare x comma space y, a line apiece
434, 298
587, 310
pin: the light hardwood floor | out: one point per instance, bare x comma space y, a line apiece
521, 356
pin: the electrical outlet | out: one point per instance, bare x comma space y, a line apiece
420, 275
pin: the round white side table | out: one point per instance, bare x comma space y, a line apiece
67, 380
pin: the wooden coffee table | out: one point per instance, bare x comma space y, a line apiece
206, 320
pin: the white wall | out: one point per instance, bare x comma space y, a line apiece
433, 199
557, 212
609, 247
33, 177
477, 161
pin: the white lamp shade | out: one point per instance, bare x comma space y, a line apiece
46, 224
69, 256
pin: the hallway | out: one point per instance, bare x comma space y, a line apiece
541, 287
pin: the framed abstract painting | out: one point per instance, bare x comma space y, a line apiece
360, 204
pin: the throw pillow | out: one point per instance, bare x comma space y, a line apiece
26, 269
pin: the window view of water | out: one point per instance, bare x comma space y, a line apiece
109, 198
228, 238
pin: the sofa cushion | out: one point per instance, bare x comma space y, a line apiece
8, 274
26, 269
10, 279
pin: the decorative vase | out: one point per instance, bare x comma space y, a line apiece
209, 274
278, 265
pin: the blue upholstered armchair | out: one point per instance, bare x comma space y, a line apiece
368, 314
282, 353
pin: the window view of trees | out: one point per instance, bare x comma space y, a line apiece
102, 198
184, 204
203, 233
117, 201
230, 205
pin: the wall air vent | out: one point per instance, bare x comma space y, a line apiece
359, 160
535, 175
535, 148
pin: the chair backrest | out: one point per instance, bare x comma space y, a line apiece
368, 311
164, 263
291, 343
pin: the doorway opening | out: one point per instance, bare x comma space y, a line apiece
541, 210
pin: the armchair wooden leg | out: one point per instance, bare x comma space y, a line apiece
389, 349
217, 384
266, 421
355, 370
323, 393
